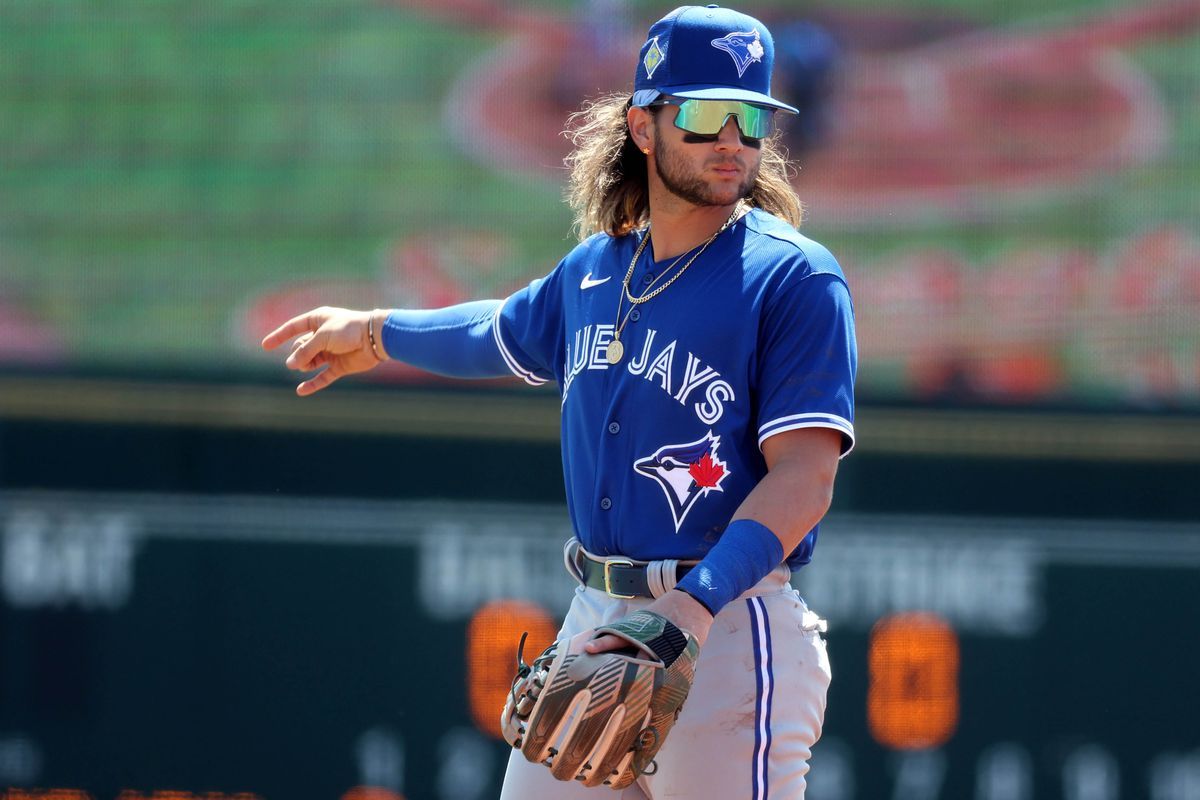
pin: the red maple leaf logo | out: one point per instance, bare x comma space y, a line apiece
706, 473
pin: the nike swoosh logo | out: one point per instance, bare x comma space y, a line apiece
588, 283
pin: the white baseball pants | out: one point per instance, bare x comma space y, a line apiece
747, 729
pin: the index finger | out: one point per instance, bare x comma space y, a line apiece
602, 644
305, 323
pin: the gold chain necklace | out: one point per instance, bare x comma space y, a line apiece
615, 351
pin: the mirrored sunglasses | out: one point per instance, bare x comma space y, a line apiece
708, 117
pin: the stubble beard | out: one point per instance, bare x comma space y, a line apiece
673, 172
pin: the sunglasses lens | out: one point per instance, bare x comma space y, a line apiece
707, 117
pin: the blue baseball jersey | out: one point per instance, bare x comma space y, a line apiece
659, 450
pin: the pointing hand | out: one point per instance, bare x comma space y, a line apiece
333, 340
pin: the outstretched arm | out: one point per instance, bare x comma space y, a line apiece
457, 341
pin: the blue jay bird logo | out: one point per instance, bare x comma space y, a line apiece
685, 473
744, 46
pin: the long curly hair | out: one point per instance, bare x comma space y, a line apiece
608, 189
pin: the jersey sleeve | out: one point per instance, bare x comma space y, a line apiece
528, 329
808, 359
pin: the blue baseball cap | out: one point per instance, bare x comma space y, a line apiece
707, 53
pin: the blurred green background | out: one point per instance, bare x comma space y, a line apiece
210, 586
1019, 226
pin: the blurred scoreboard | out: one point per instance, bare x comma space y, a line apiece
214, 647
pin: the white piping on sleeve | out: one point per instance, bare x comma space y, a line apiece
812, 420
524, 374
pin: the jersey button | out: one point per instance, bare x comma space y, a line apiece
647, 279
605, 503
635, 315
614, 428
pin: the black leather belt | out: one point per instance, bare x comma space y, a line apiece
620, 577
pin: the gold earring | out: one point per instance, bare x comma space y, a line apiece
646, 151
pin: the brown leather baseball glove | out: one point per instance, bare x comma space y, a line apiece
600, 719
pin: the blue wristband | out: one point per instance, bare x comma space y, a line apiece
456, 341
743, 556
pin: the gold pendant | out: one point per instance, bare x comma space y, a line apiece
615, 351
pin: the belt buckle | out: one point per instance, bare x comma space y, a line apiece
608, 564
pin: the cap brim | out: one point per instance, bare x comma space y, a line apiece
645, 97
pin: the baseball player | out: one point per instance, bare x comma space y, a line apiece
705, 355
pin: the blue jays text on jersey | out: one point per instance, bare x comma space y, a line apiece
654, 364
661, 448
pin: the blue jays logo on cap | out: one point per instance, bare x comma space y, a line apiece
707, 53
685, 473
745, 47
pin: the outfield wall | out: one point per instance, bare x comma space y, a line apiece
299, 647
